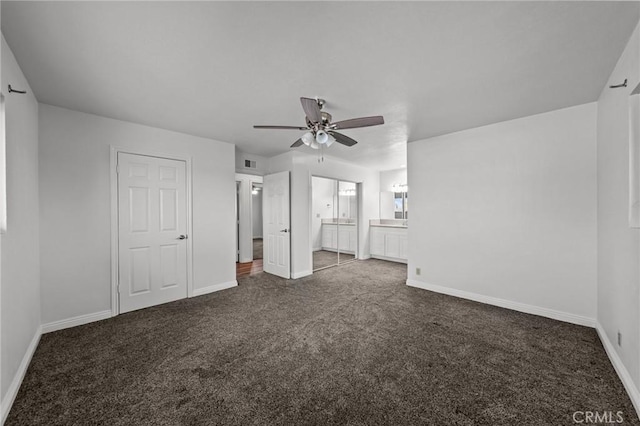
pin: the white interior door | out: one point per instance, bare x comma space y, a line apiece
152, 231
276, 224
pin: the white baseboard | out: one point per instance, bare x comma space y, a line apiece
14, 387
516, 306
390, 259
623, 373
75, 321
214, 288
296, 275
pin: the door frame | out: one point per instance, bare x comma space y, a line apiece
113, 176
245, 211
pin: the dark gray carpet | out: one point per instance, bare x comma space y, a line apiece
324, 258
348, 345
257, 248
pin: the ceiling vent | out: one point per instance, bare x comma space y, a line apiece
250, 164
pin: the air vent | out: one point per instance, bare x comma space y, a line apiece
249, 164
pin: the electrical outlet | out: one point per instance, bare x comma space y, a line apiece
619, 338
418, 271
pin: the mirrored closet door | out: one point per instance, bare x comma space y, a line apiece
334, 226
347, 222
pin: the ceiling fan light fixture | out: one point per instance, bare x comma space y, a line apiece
322, 137
308, 139
330, 141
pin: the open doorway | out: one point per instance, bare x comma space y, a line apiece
334, 222
256, 219
249, 224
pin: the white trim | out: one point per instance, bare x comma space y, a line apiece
12, 392
75, 321
113, 176
390, 259
516, 306
623, 373
114, 150
296, 275
213, 288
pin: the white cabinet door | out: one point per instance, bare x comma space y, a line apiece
392, 245
404, 246
377, 241
326, 237
344, 238
353, 238
329, 237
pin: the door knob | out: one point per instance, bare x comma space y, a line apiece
284, 230
182, 237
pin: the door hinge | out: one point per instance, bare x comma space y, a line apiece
117, 169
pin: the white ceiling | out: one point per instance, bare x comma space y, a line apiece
214, 69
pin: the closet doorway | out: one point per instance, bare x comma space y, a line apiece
334, 230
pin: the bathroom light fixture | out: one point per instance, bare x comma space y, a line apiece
400, 187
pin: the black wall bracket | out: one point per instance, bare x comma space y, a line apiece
617, 86
12, 90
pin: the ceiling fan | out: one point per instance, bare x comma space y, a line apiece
320, 130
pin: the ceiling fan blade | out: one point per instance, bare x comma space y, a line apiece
281, 127
344, 140
358, 122
297, 143
311, 109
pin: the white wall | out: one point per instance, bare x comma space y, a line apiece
618, 245
261, 163
75, 206
302, 166
509, 211
20, 263
389, 178
323, 193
